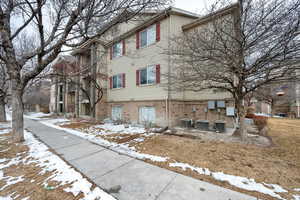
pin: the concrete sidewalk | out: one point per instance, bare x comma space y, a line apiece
138, 180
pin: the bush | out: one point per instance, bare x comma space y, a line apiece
250, 115
260, 121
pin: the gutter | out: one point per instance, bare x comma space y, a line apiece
169, 73
211, 16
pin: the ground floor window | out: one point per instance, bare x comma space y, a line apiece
147, 115
116, 113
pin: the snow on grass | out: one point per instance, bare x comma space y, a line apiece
10, 180
49, 162
297, 189
120, 148
120, 128
185, 166
296, 197
6, 198
237, 181
36, 115
4, 131
63, 173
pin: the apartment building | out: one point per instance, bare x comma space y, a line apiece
130, 64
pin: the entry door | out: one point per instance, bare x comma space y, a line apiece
147, 115
116, 113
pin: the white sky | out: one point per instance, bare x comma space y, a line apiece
197, 6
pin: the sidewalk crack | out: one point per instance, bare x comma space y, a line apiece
114, 169
169, 183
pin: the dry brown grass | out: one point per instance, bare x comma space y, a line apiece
31, 186
78, 125
120, 138
279, 164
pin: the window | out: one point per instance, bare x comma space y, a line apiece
117, 50
148, 36
147, 115
60, 92
117, 81
148, 75
116, 113
61, 107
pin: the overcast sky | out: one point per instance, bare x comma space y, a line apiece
193, 5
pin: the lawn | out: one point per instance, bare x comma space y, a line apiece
278, 164
264, 172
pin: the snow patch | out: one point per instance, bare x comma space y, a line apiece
185, 166
10, 180
237, 181
6, 198
36, 115
121, 128
61, 172
120, 148
296, 197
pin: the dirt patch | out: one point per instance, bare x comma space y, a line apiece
120, 138
279, 164
78, 125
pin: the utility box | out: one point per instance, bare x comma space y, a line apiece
186, 123
202, 125
220, 126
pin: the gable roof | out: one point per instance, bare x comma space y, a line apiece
161, 15
211, 16
156, 16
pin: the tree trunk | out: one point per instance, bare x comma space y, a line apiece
2, 111
240, 111
17, 112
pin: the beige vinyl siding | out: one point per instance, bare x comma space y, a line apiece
137, 59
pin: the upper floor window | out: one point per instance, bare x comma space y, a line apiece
117, 81
117, 50
149, 75
148, 36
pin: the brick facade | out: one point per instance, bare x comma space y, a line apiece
175, 109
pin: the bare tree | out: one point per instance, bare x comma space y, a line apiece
238, 49
37, 30
4, 86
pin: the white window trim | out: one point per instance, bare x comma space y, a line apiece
120, 77
147, 108
121, 50
118, 107
140, 77
140, 36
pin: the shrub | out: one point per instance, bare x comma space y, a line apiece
250, 115
260, 121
